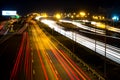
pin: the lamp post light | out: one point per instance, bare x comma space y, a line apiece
58, 16
82, 14
115, 19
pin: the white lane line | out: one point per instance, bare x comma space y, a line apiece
33, 71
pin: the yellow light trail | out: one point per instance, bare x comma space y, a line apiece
43, 43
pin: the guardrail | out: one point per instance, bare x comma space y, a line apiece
81, 62
89, 69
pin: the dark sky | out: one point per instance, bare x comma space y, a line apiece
26, 6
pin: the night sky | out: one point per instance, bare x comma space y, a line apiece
26, 6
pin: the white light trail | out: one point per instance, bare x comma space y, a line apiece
84, 27
113, 53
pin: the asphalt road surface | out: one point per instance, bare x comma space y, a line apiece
41, 58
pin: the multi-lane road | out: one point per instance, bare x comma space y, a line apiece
31, 53
106, 50
40, 57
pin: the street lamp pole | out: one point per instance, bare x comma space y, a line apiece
105, 51
73, 40
95, 38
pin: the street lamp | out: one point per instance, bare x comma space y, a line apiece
115, 19
58, 16
82, 14
44, 15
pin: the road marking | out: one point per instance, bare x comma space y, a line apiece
32, 61
56, 72
33, 71
31, 53
31, 48
51, 61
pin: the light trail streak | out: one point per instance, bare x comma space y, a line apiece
64, 65
84, 27
40, 58
62, 61
110, 28
67, 59
77, 68
27, 64
111, 52
39, 36
17, 63
43, 66
43, 43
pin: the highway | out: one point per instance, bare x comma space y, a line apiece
3, 31
84, 27
6, 27
94, 28
41, 58
111, 52
103, 25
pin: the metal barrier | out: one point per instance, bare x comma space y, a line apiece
89, 69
